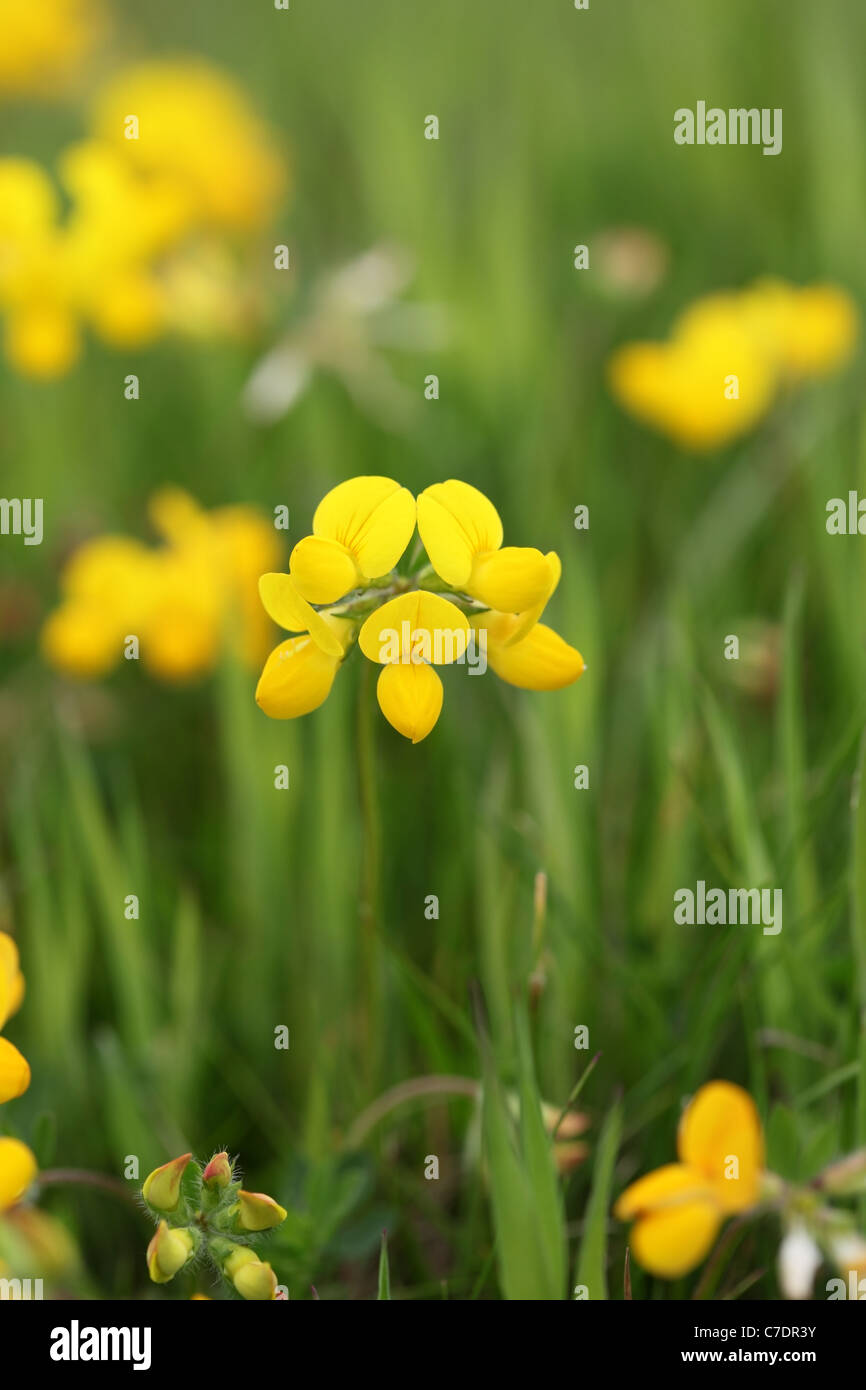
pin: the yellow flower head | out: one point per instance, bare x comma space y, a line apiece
727, 356
194, 125
343, 586
185, 601
44, 44
678, 1209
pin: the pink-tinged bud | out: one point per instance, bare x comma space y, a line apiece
218, 1172
258, 1212
161, 1188
168, 1252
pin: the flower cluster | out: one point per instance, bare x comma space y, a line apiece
17, 1164
343, 586
183, 601
679, 1208
202, 1212
155, 211
729, 355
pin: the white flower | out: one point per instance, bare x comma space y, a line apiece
799, 1260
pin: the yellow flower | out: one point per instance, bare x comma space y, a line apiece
678, 1209
811, 331
342, 584
14, 1069
194, 124
727, 356
539, 661
45, 42
423, 630
298, 674
462, 534
360, 530
185, 601
17, 1171
709, 384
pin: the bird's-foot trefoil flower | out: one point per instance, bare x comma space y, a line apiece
346, 587
678, 1210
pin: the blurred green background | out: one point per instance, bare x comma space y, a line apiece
156, 1036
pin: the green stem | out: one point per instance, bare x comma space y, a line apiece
371, 855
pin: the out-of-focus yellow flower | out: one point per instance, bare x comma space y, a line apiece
17, 1171
195, 124
810, 330
45, 42
343, 584
185, 601
14, 1069
678, 1209
48, 1244
148, 243
728, 355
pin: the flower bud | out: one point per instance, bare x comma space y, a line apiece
168, 1252
252, 1278
258, 1212
161, 1188
218, 1172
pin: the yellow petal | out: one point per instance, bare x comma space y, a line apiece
456, 522
530, 616
14, 1072
283, 603
322, 570
17, 1171
541, 661
410, 697
720, 1134
670, 1243
421, 625
297, 678
379, 543
665, 1187
510, 580
677, 1218
371, 514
